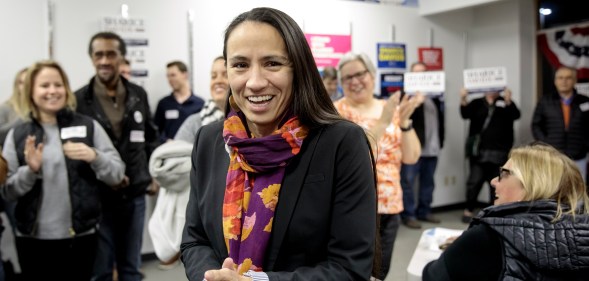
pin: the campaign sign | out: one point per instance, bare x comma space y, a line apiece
482, 80
390, 83
432, 57
328, 48
582, 88
428, 83
391, 55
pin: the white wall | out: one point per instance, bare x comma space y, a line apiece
498, 33
22, 29
166, 27
432, 7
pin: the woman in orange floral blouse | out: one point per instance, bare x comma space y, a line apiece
393, 139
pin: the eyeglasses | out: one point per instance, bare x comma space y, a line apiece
360, 75
504, 173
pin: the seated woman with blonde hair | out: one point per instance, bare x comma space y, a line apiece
538, 228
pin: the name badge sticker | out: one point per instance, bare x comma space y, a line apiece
584, 106
172, 114
73, 132
500, 103
137, 136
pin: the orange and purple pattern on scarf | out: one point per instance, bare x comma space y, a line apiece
255, 174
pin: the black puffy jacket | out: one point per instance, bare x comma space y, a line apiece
535, 248
548, 125
83, 186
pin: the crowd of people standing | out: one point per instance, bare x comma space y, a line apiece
285, 173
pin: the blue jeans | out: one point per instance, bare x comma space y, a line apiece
119, 238
425, 167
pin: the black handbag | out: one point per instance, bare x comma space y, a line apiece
471, 147
472, 144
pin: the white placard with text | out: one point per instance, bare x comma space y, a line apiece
428, 83
488, 79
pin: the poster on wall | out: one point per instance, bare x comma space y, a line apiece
328, 49
391, 55
390, 83
431, 83
482, 80
432, 57
132, 30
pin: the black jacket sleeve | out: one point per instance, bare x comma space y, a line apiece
151, 133
466, 110
538, 122
198, 253
476, 255
513, 111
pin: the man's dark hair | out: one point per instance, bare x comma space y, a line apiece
108, 36
180, 65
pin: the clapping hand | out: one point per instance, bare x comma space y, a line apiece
390, 107
33, 154
408, 106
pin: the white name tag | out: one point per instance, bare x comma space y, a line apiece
584, 106
137, 136
500, 103
73, 132
172, 114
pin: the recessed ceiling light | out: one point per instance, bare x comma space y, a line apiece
545, 11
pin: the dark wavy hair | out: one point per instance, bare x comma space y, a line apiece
310, 101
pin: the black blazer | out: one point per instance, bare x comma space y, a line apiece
325, 221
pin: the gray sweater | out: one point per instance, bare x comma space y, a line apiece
54, 219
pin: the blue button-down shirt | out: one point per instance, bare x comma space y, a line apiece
170, 114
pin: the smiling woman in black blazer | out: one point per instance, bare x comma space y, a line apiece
284, 188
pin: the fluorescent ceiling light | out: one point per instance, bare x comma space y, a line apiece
545, 11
